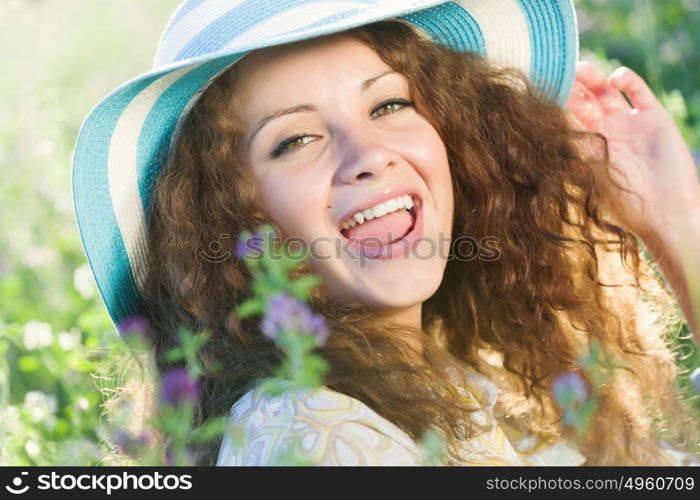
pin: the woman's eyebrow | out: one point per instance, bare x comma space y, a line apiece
309, 107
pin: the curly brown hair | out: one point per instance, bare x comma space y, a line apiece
566, 275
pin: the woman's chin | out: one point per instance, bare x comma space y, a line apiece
406, 279
400, 294
382, 284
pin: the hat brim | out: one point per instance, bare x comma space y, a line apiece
126, 138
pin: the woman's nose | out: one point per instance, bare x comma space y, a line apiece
364, 155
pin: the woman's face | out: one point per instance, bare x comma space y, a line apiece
352, 151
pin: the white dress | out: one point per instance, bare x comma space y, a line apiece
325, 427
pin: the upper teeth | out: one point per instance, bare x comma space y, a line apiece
404, 201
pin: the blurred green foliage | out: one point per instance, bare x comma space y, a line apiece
659, 40
60, 58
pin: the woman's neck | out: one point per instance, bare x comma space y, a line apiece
410, 316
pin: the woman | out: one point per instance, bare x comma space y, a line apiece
378, 112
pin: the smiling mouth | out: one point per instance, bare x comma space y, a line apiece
383, 230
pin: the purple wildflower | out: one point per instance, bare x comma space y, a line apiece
187, 454
178, 387
285, 312
128, 444
250, 247
135, 325
570, 386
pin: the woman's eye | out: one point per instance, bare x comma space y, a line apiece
298, 141
391, 103
284, 146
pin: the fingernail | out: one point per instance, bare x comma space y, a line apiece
617, 75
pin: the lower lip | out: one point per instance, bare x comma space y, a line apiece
397, 249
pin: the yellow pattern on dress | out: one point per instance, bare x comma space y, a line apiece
330, 428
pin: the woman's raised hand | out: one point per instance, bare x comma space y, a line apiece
648, 152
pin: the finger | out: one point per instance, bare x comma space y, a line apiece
590, 76
639, 93
573, 121
598, 83
613, 100
586, 107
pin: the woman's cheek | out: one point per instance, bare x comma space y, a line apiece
431, 158
274, 201
433, 165
287, 202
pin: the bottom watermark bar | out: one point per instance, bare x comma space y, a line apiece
475, 482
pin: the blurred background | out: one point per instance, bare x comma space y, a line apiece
61, 57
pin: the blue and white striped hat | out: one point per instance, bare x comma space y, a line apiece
125, 139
